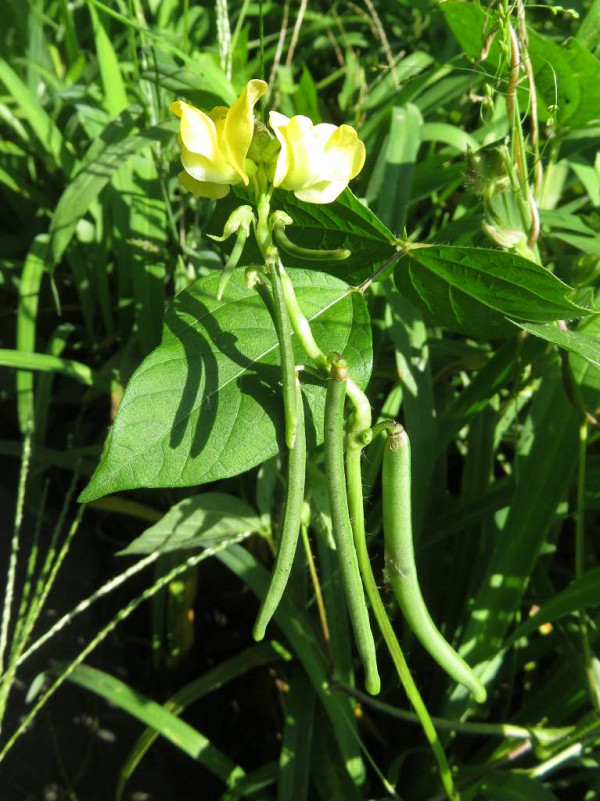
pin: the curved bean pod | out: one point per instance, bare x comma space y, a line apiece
291, 525
340, 518
401, 567
281, 238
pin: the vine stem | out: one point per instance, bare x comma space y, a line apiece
316, 585
281, 319
580, 563
508, 731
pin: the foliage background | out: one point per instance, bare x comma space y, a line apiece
96, 240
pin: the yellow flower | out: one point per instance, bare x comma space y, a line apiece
316, 162
214, 146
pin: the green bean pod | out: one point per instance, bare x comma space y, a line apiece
232, 261
282, 240
340, 518
288, 365
401, 567
290, 531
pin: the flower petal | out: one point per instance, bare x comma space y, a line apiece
202, 188
302, 160
345, 153
279, 123
322, 192
216, 171
239, 126
196, 129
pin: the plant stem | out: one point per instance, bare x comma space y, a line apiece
580, 564
300, 324
316, 584
124, 613
14, 554
281, 319
507, 730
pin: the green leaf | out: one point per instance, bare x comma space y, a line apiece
567, 76
395, 166
473, 290
139, 218
300, 634
592, 480
206, 403
201, 521
501, 370
147, 711
45, 362
450, 135
202, 82
294, 760
345, 223
43, 125
506, 786
471, 25
582, 593
115, 94
99, 167
29, 290
587, 244
583, 344
586, 376
214, 679
544, 474
589, 26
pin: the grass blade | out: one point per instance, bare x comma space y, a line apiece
29, 290
54, 364
300, 636
43, 126
255, 656
169, 726
294, 762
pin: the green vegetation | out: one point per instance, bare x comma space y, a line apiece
206, 400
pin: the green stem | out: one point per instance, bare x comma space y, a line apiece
302, 329
300, 324
282, 320
509, 731
232, 261
580, 563
312, 569
122, 615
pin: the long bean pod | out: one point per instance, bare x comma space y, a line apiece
291, 525
401, 567
340, 518
288, 365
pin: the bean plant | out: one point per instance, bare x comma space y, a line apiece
332, 330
